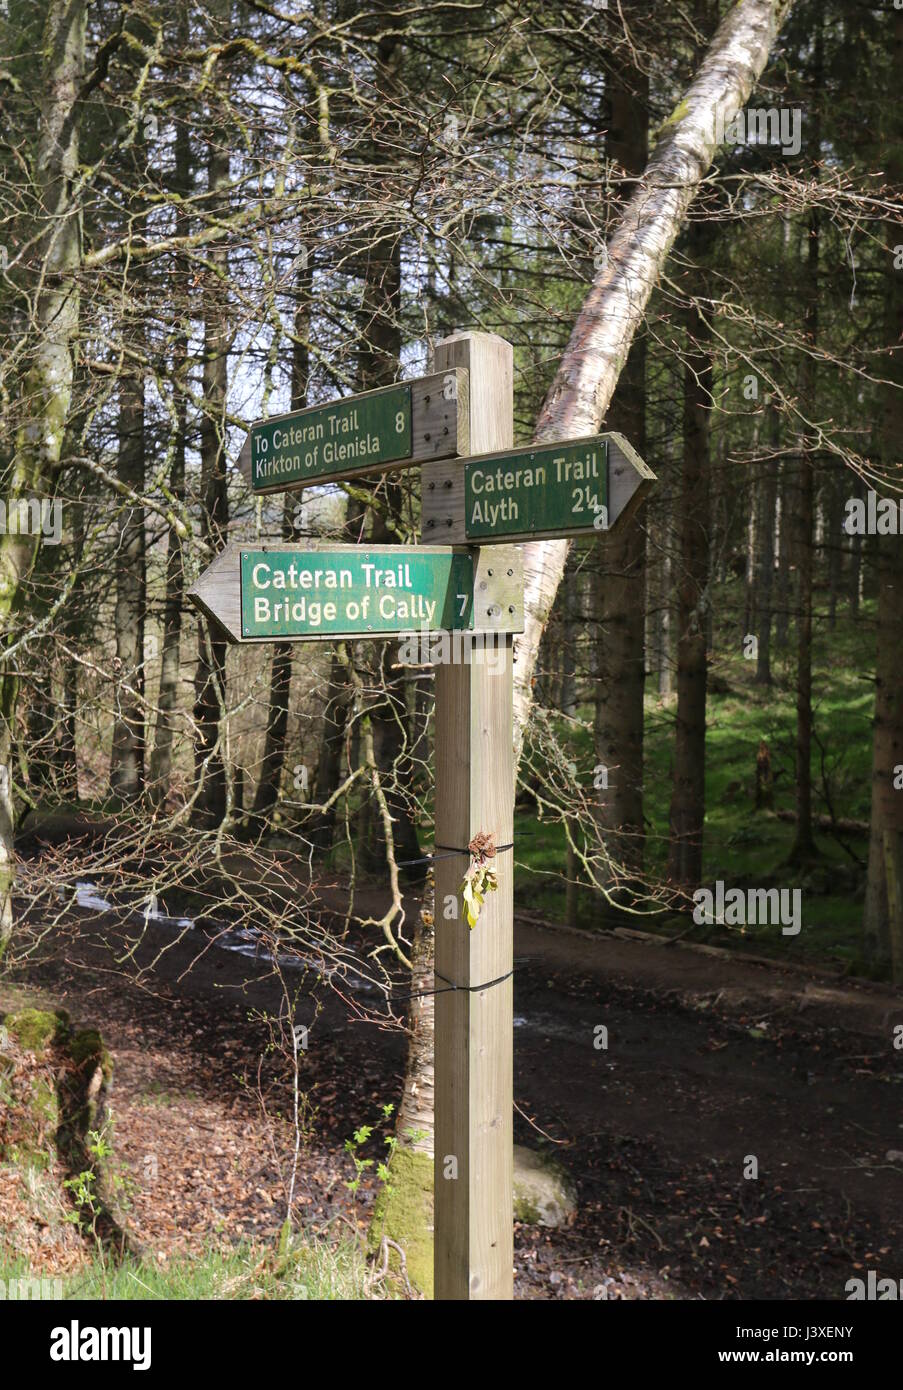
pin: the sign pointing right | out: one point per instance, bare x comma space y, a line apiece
578, 487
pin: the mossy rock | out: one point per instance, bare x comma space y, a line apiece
404, 1213
544, 1193
36, 1029
87, 1051
35, 1145
29, 1105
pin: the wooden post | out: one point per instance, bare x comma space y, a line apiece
474, 1234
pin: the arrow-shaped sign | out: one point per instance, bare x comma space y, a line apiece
578, 487
280, 593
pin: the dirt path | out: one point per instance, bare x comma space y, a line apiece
709, 1062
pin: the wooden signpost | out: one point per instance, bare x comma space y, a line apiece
479, 496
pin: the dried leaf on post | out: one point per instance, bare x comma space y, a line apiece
480, 879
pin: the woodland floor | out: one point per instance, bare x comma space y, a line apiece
709, 1060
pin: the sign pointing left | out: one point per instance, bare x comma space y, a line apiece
282, 593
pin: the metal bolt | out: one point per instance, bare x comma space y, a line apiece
489, 572
431, 522
447, 482
432, 486
510, 572
426, 436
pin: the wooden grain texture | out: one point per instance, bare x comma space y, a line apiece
474, 1238
439, 419
498, 585
442, 484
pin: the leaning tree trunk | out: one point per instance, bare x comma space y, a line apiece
47, 385
613, 310
592, 362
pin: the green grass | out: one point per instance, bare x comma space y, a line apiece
311, 1269
745, 847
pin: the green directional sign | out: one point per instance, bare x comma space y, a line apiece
559, 489
577, 487
280, 593
298, 593
331, 441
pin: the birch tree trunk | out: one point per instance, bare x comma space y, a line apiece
46, 389
579, 396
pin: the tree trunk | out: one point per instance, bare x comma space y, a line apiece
127, 756
804, 844
613, 310
171, 653
267, 793
687, 815
46, 388
210, 677
768, 491
620, 575
883, 925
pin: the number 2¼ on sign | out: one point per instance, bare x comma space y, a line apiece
584, 499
